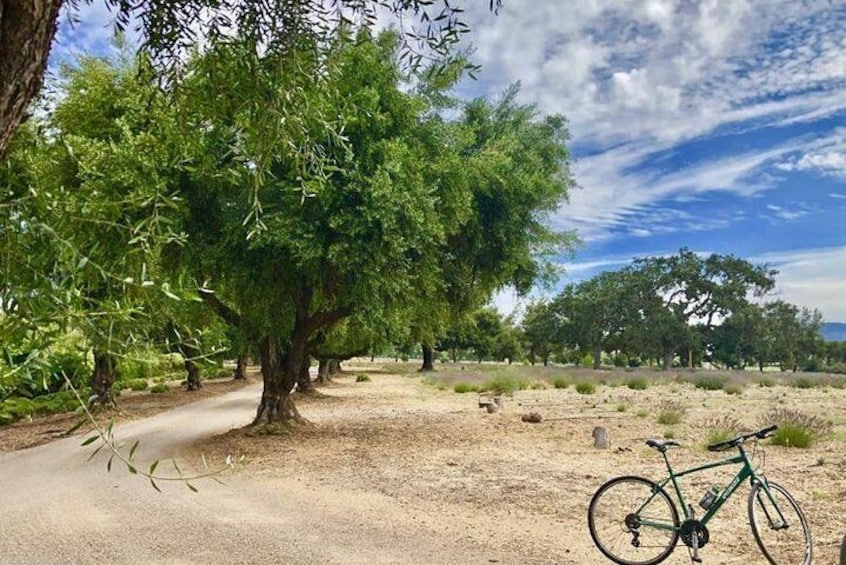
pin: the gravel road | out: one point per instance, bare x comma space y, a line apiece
58, 508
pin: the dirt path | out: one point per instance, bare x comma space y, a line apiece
391, 471
58, 508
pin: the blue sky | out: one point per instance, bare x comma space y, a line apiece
718, 125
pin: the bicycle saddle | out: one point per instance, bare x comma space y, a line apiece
662, 445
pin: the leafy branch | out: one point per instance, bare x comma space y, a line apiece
107, 440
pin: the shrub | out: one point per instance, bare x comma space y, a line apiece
504, 384
721, 428
795, 429
462, 388
733, 388
159, 388
362, 378
136, 384
622, 407
671, 413
766, 382
709, 382
669, 434
642, 413
635, 362
585, 388
619, 361
560, 383
804, 383
637, 383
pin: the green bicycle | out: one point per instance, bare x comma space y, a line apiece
633, 521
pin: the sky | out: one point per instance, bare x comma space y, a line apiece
716, 125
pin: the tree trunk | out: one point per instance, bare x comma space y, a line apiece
334, 367
241, 367
189, 353
532, 356
103, 378
428, 358
27, 28
279, 370
667, 362
304, 378
323, 370
597, 356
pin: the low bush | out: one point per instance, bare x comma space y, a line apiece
671, 413
362, 378
135, 384
766, 382
637, 383
795, 429
159, 388
622, 407
709, 382
804, 383
560, 383
585, 388
504, 384
721, 428
642, 413
462, 388
733, 388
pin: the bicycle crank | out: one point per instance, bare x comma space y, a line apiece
691, 528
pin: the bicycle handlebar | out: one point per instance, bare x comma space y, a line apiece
739, 440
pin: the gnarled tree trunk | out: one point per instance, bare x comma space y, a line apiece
597, 356
667, 361
304, 376
27, 28
241, 367
428, 358
279, 374
103, 378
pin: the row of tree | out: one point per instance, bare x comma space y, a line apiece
312, 204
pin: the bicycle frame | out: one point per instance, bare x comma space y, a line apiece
747, 471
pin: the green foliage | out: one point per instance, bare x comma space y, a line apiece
669, 434
560, 382
585, 387
637, 383
721, 428
362, 378
462, 388
671, 413
735, 389
804, 383
795, 428
709, 382
159, 388
505, 384
642, 413
622, 407
765, 382
135, 384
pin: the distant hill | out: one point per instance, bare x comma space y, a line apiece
834, 331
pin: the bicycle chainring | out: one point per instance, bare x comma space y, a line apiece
690, 528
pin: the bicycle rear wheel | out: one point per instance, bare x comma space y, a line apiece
781, 530
633, 521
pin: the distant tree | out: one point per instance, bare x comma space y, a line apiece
487, 326
542, 330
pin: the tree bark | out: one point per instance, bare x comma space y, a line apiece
323, 370
27, 28
103, 378
334, 367
667, 361
597, 356
428, 358
241, 367
304, 377
279, 372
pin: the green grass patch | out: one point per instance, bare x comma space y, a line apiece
505, 384
585, 388
766, 382
362, 378
622, 407
560, 382
642, 413
709, 382
135, 384
159, 388
671, 413
735, 389
637, 383
463, 388
795, 429
720, 428
804, 383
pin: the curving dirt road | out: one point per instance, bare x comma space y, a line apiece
57, 508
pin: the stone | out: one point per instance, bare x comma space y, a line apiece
600, 438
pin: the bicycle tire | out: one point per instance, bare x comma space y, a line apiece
642, 490
762, 515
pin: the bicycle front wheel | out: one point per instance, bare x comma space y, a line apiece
633, 521
779, 526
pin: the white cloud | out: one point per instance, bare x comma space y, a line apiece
813, 278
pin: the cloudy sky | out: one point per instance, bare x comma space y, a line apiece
719, 125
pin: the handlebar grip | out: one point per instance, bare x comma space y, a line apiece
761, 434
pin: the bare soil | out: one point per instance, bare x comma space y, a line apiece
522, 489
